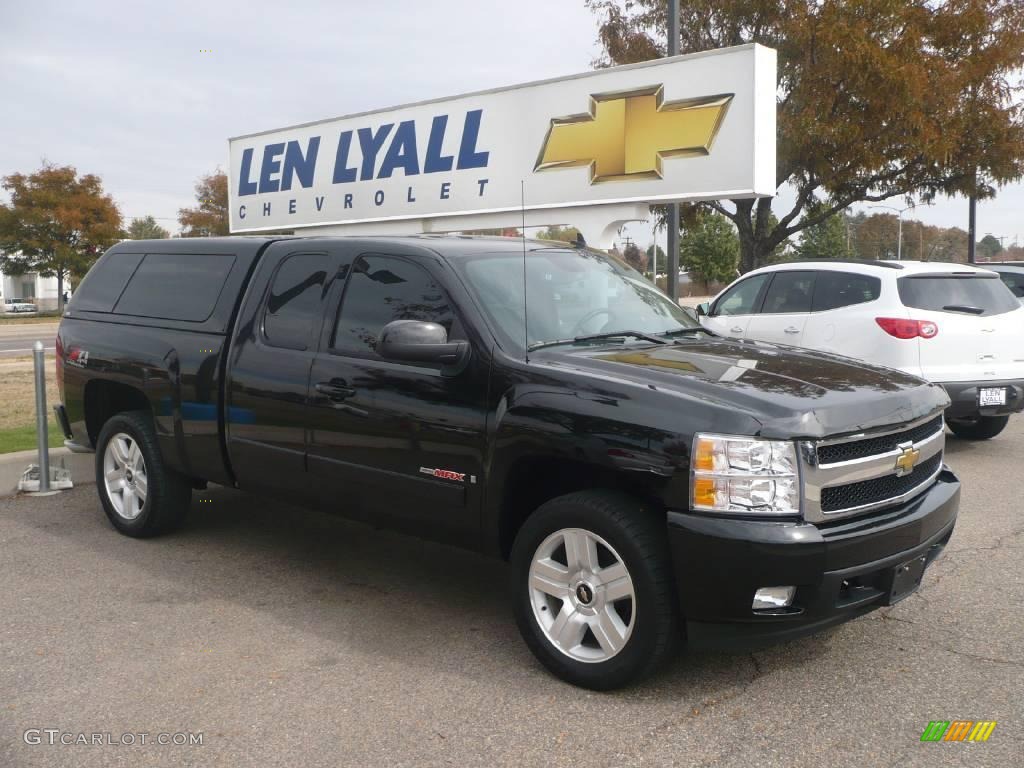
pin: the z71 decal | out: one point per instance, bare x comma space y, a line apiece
444, 474
77, 357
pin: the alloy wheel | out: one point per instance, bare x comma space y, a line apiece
582, 595
124, 474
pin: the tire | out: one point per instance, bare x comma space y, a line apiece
145, 499
981, 428
563, 618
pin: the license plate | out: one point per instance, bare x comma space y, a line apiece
906, 578
992, 396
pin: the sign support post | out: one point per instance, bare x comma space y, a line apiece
672, 246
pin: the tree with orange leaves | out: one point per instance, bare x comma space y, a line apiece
210, 216
56, 224
876, 98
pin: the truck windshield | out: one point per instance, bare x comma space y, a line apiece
570, 293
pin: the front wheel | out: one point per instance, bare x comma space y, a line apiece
981, 428
593, 591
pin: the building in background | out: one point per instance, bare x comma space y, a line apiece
31, 288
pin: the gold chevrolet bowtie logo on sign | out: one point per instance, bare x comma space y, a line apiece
907, 459
626, 135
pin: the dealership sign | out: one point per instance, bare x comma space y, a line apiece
694, 127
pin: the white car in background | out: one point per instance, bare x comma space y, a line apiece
17, 305
952, 324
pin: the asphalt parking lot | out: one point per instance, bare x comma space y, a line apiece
292, 638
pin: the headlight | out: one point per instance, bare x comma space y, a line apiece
744, 475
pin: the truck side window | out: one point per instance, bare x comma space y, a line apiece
104, 283
176, 286
295, 300
384, 288
741, 298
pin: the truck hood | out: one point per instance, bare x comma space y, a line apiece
791, 392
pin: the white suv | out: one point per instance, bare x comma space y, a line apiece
952, 324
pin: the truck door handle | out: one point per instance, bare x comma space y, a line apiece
736, 329
791, 330
335, 390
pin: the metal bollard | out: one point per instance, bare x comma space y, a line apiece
42, 424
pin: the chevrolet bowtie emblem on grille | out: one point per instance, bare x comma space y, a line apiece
907, 459
626, 135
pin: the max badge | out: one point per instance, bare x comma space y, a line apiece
444, 474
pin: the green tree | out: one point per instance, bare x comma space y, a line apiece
877, 99
825, 240
146, 228
656, 257
989, 247
709, 248
210, 217
56, 224
559, 234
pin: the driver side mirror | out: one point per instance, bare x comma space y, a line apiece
418, 341
704, 309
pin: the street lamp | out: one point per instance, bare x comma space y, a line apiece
900, 211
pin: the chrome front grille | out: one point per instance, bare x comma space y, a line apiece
861, 473
831, 453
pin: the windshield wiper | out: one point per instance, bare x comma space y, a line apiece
687, 331
598, 337
964, 308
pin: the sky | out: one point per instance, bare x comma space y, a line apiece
146, 94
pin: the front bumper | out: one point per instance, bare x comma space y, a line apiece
841, 570
963, 396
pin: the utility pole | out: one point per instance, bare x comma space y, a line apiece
672, 266
972, 230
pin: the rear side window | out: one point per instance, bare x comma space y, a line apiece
790, 292
381, 289
965, 294
103, 284
294, 304
176, 286
833, 290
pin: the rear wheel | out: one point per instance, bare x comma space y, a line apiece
593, 591
139, 494
981, 428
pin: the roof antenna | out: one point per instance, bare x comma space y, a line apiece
580, 242
526, 328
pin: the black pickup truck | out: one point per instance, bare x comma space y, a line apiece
648, 481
